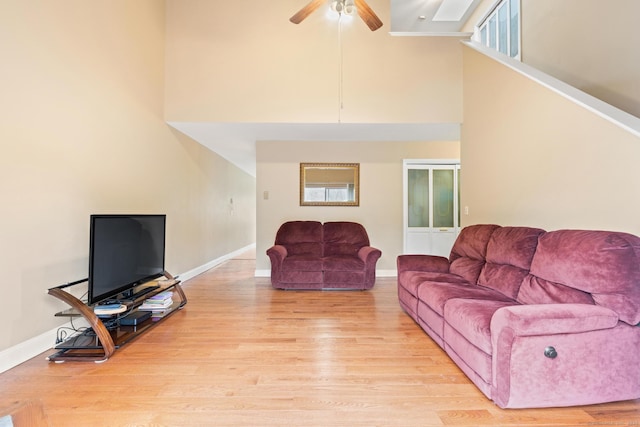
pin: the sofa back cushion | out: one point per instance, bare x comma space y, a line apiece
509, 254
301, 237
344, 238
569, 264
469, 251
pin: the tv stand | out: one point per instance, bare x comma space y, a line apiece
99, 345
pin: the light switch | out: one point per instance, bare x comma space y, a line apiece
265, 195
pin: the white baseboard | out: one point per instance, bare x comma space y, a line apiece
379, 273
201, 269
386, 273
20, 353
13, 356
262, 273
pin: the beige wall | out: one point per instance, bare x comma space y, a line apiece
589, 44
380, 210
243, 61
532, 157
596, 50
82, 131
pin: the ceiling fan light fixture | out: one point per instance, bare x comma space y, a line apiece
346, 7
349, 8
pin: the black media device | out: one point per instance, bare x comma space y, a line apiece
125, 251
135, 318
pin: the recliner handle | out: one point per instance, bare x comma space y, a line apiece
550, 352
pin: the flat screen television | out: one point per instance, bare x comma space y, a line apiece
124, 251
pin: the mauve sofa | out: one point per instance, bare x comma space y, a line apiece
533, 318
312, 255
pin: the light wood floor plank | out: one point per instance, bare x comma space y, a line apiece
243, 354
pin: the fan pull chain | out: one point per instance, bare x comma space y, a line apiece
340, 78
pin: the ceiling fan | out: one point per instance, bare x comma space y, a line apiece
348, 7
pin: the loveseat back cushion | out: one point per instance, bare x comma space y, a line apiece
509, 254
604, 264
344, 238
301, 237
469, 251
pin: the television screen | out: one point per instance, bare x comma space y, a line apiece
124, 251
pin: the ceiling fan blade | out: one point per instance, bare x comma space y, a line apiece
368, 15
306, 11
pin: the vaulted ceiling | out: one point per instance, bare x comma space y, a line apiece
236, 141
430, 17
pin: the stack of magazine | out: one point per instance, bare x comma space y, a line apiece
158, 304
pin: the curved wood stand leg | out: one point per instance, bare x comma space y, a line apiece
183, 297
108, 347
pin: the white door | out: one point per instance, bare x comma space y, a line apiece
431, 206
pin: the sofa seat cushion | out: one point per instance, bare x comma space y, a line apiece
411, 280
342, 263
436, 294
472, 319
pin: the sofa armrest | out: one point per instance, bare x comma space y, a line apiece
551, 319
369, 254
551, 355
430, 263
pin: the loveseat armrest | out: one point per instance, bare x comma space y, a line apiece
430, 263
551, 319
369, 254
277, 253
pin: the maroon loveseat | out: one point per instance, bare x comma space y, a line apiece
312, 255
533, 318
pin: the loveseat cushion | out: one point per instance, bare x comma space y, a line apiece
301, 237
603, 263
343, 238
508, 259
342, 263
469, 251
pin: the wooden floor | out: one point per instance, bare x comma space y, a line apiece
243, 354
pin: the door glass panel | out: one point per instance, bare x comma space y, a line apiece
443, 198
418, 192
